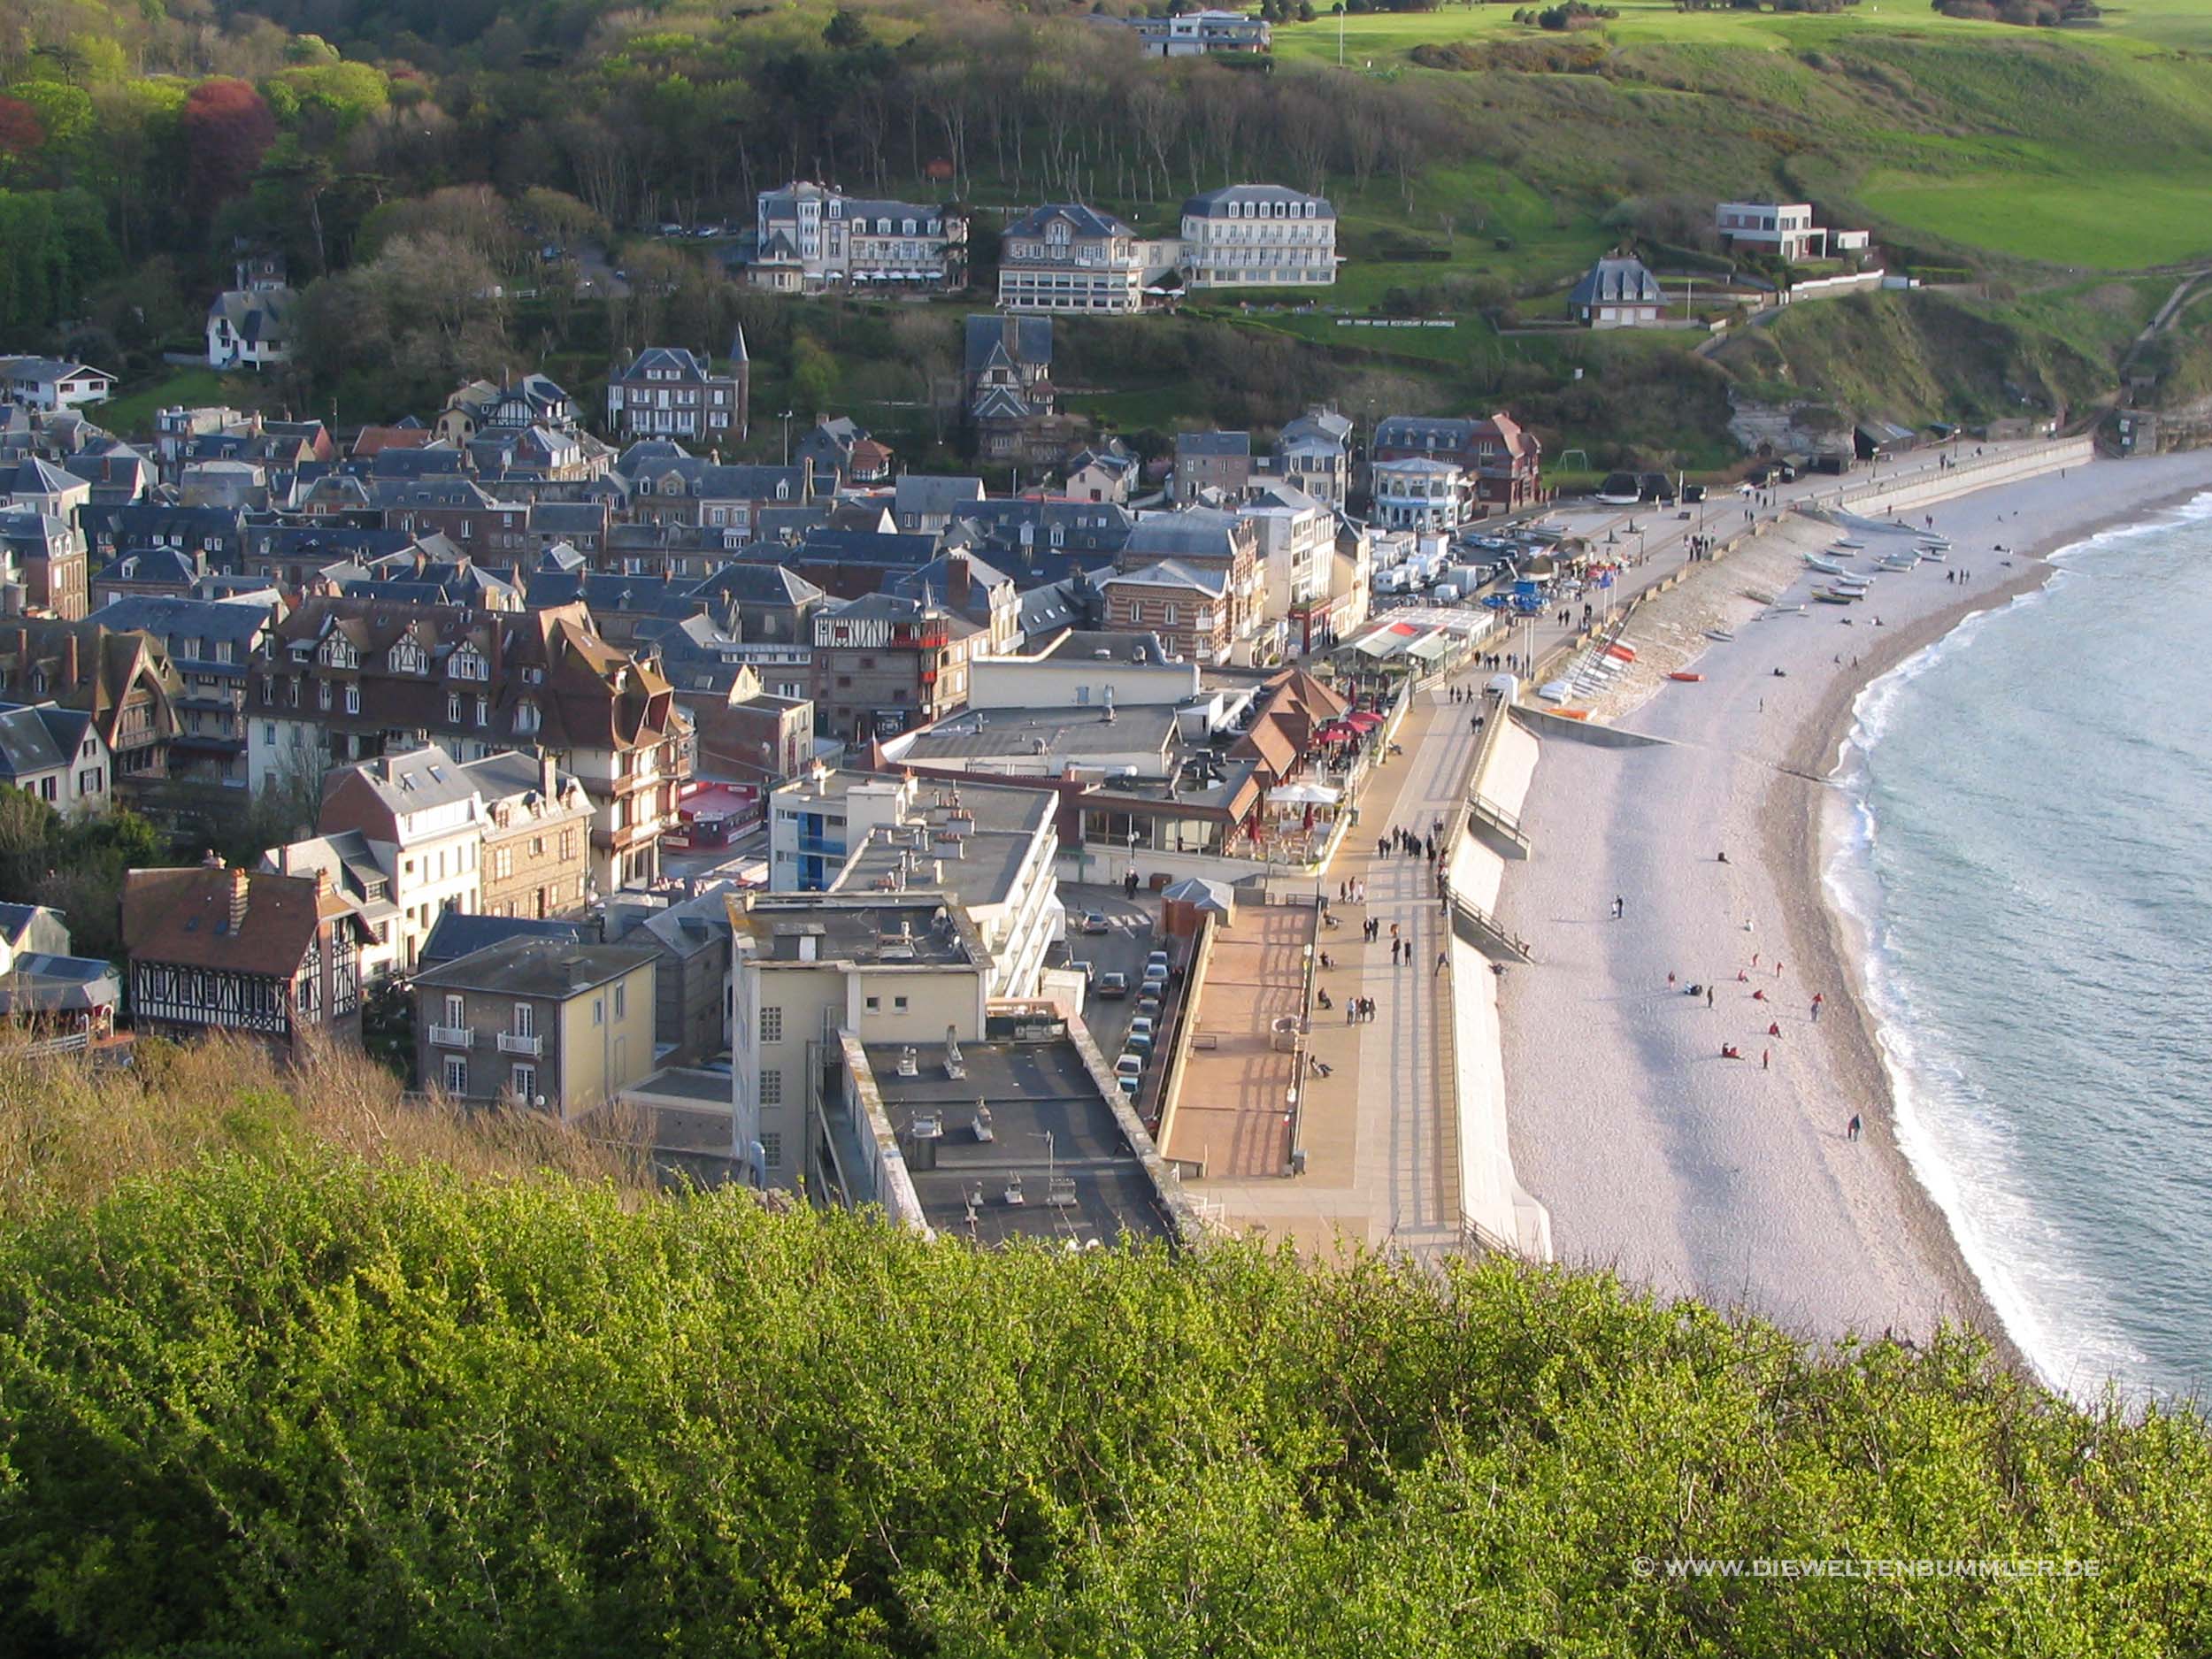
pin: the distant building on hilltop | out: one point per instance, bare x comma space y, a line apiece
251, 325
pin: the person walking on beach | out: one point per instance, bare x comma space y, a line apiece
1620, 907
1818, 1000
1709, 996
1766, 1059
1852, 1131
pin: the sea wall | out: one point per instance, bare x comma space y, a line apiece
1495, 1209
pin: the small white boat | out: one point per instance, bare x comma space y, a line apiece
1719, 634
1826, 567
1847, 546
1898, 562
1934, 555
1787, 611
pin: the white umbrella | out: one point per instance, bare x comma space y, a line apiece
1303, 795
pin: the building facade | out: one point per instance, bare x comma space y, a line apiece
670, 392
1258, 235
276, 958
538, 1022
883, 664
1418, 493
1069, 257
1502, 459
812, 237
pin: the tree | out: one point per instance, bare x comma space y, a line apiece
20, 130
227, 129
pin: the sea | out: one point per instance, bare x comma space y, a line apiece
2028, 859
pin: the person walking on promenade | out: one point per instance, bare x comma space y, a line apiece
1441, 958
1852, 1133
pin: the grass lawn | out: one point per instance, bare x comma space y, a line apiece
2103, 223
131, 415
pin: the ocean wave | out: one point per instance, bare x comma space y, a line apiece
1969, 1150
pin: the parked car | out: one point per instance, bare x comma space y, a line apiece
1157, 959
1113, 985
1149, 1004
1142, 1030
1085, 966
1155, 974
1130, 1064
1095, 922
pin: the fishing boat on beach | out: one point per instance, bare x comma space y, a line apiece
1933, 552
1829, 597
1719, 634
1900, 562
1826, 567
1847, 546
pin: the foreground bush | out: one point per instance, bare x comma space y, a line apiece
287, 1399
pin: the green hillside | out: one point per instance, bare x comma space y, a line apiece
286, 1369
410, 160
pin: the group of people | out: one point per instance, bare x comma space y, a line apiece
1735, 1051
1359, 1010
1408, 844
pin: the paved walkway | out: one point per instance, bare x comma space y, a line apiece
1230, 1106
1381, 1132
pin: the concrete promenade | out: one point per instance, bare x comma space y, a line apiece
1380, 1132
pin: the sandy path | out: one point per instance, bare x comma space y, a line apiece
1729, 1179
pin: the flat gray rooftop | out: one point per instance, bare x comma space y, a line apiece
1070, 733
1031, 1090
853, 927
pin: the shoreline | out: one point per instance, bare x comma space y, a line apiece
1695, 1178
1797, 836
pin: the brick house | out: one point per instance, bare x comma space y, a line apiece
347, 679
673, 392
1502, 460
1189, 608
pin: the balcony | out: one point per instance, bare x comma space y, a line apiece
452, 1037
512, 1043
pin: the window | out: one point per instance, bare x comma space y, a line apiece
771, 1148
353, 699
268, 731
524, 1080
771, 1088
453, 708
598, 1010
898, 1005
875, 1004
455, 1013
525, 1020
772, 1025
322, 693
457, 1075
621, 1002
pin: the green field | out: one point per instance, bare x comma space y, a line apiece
2117, 222
133, 412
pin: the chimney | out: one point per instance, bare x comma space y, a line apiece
240, 888
499, 653
956, 580
69, 660
549, 779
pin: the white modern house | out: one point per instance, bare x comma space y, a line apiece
1783, 228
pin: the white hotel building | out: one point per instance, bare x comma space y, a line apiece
1258, 235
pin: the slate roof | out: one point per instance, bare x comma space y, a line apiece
1085, 221
1618, 281
1217, 203
456, 934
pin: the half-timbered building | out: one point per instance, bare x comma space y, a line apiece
276, 958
